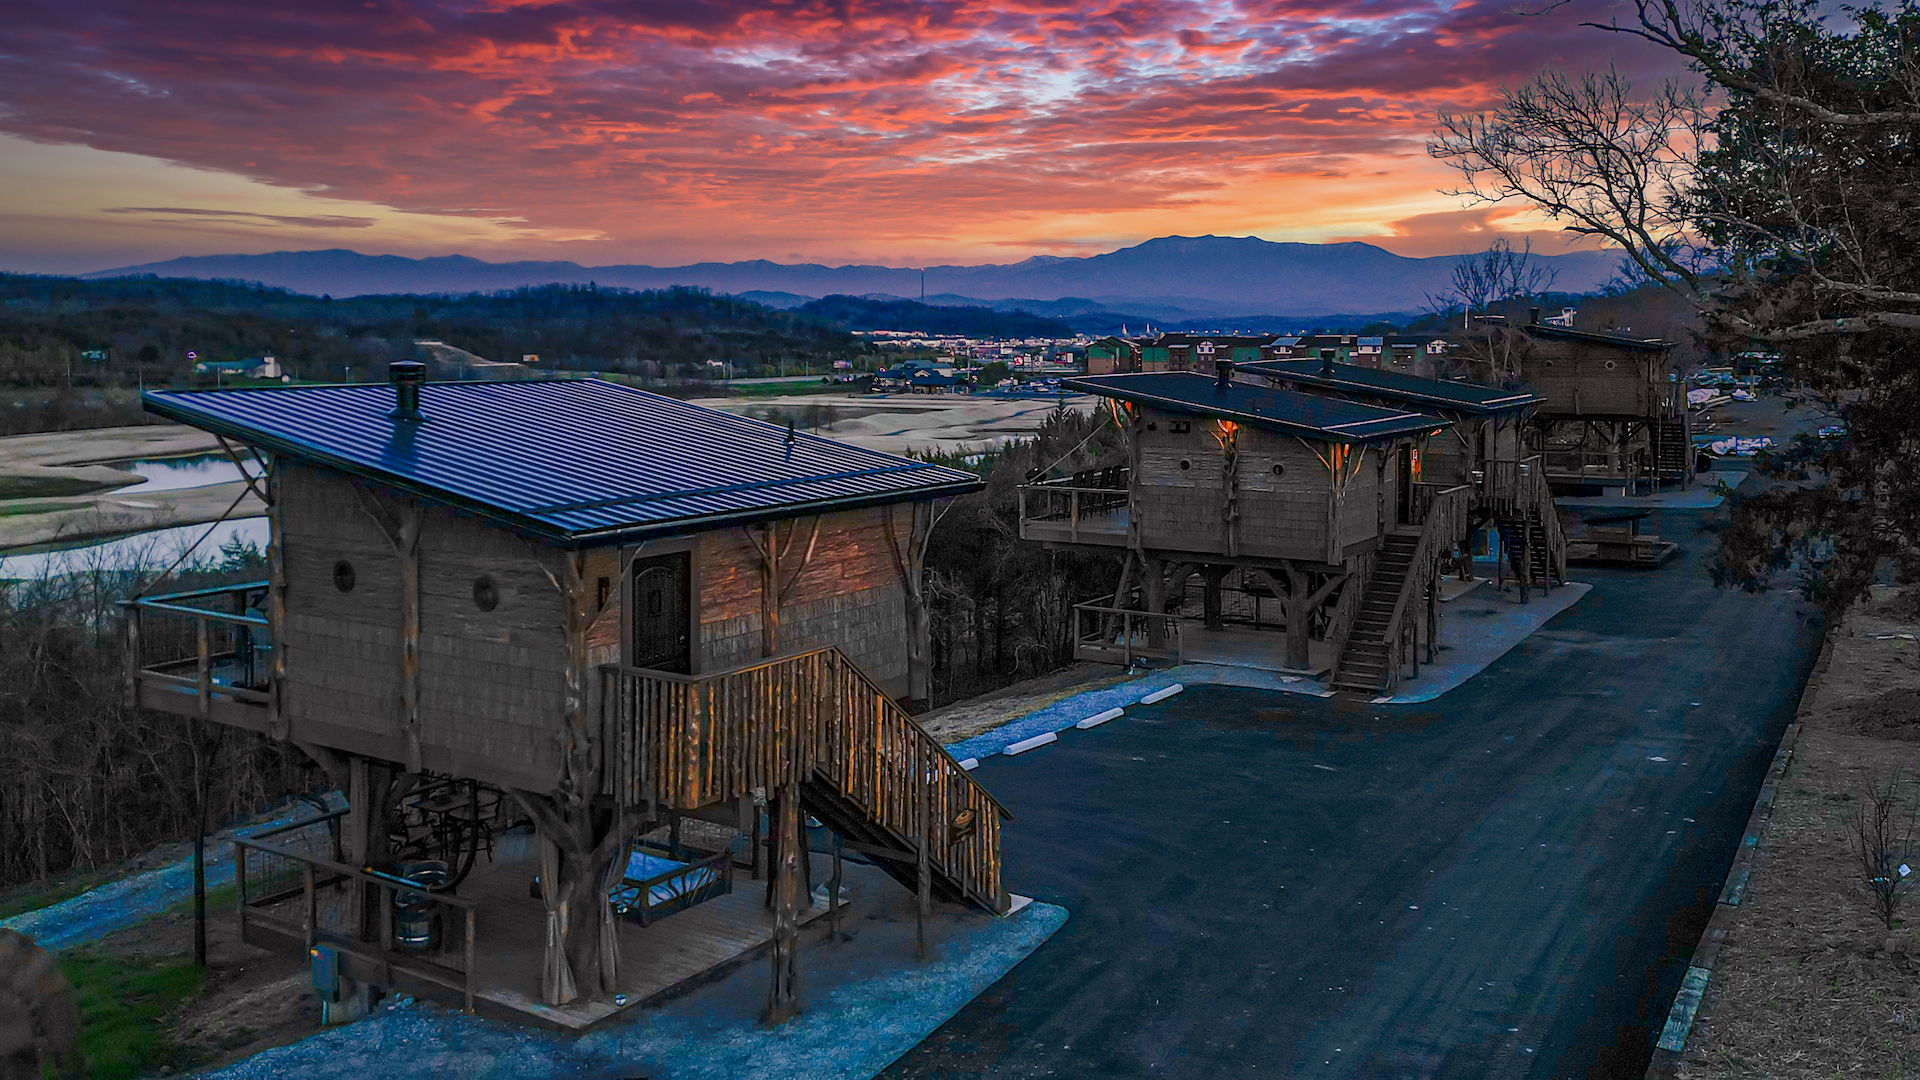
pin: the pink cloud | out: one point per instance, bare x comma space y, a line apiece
798, 119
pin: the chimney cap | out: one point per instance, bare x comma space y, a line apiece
406, 371
1223, 373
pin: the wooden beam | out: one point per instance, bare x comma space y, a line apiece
407, 542
278, 724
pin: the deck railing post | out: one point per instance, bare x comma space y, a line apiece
471, 924
240, 886
924, 878
310, 915
206, 668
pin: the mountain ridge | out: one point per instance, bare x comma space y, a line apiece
1210, 276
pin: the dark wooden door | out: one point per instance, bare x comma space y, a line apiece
1403, 495
662, 640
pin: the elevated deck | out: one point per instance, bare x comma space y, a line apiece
1077, 510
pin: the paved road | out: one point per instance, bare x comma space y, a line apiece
1505, 882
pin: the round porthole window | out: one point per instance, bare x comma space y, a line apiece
1609, 365
343, 576
486, 596
1279, 469
1185, 464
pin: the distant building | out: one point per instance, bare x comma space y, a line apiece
259, 367
1112, 355
1199, 352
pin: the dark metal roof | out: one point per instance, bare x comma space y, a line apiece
1284, 410
1466, 397
579, 462
1569, 334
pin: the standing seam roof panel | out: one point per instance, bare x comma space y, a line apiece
572, 456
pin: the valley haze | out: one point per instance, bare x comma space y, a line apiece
1168, 278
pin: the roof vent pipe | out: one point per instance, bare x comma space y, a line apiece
1326, 363
1223, 373
406, 377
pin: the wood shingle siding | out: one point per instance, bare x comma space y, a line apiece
849, 595
490, 681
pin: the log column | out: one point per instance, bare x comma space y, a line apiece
783, 1002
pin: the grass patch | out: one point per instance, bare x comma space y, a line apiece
124, 1003
24, 898
796, 388
37, 486
220, 901
16, 507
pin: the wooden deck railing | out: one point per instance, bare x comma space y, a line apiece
1107, 634
688, 741
289, 895
1094, 494
197, 652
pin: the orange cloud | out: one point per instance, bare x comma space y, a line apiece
735, 128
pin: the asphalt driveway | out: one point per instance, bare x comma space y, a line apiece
1504, 882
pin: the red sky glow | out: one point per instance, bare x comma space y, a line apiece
610, 131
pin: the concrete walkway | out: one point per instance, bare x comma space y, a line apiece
1478, 625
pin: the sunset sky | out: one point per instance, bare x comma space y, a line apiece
678, 131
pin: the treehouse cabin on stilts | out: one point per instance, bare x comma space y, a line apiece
589, 610
1484, 451
1612, 413
1312, 504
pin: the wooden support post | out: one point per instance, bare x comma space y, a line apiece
1155, 571
783, 996
357, 838
130, 677
1213, 576
833, 892
200, 768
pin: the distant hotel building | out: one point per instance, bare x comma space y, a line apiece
1199, 351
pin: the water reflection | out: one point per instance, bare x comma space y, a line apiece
175, 474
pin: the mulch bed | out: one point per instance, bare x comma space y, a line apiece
1809, 982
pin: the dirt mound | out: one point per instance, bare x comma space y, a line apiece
1894, 714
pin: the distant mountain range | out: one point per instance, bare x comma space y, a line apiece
1173, 279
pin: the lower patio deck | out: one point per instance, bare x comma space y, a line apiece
503, 964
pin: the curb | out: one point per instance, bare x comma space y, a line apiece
1693, 988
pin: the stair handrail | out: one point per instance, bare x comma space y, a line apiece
1445, 520
1539, 501
691, 740
1346, 612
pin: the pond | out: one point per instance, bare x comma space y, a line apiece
175, 474
157, 548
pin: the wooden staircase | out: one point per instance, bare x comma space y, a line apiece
1672, 448
1529, 551
1366, 660
862, 765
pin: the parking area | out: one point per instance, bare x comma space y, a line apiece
1503, 882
